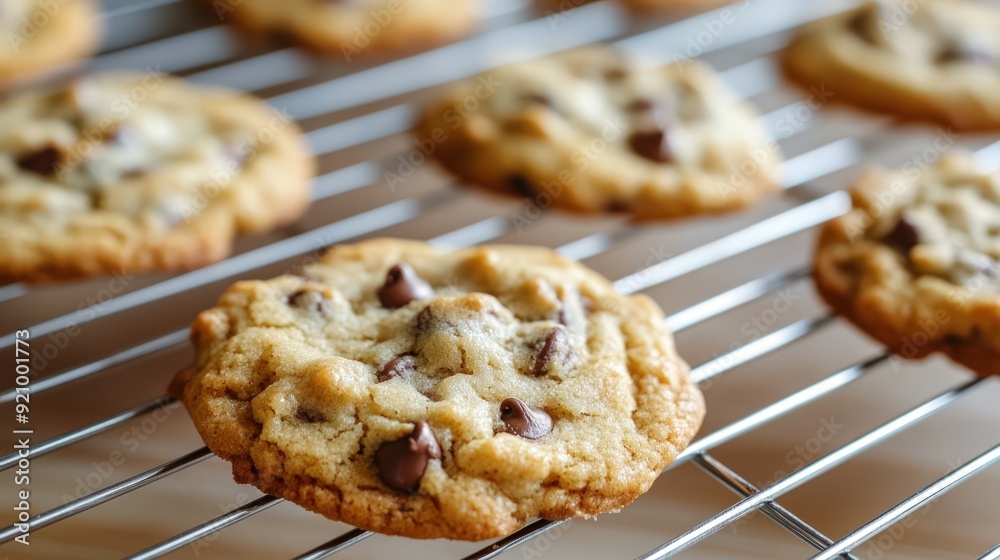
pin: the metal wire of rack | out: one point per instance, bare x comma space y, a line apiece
346, 110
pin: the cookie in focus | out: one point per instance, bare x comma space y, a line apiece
413, 391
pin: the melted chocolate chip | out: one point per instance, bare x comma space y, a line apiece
402, 286
521, 185
395, 368
653, 145
555, 342
402, 463
641, 105
523, 420
904, 236
44, 162
424, 320
312, 300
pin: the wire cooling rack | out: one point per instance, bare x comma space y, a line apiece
356, 116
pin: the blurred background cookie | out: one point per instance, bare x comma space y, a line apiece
591, 130
36, 36
359, 27
132, 172
915, 263
939, 62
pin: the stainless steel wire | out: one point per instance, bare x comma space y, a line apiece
908, 506
349, 91
806, 473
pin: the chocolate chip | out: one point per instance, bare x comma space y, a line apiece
904, 235
312, 300
309, 415
44, 162
522, 420
555, 342
402, 463
967, 50
395, 368
653, 145
424, 320
615, 74
617, 206
402, 286
537, 99
641, 105
521, 185
863, 23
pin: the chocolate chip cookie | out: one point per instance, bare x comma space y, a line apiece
37, 35
417, 392
936, 60
914, 264
132, 172
357, 28
591, 130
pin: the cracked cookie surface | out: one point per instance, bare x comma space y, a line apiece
939, 62
413, 391
39, 35
359, 28
592, 130
133, 172
915, 263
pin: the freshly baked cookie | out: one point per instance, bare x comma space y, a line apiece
416, 392
36, 35
590, 130
130, 172
358, 27
939, 62
914, 264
